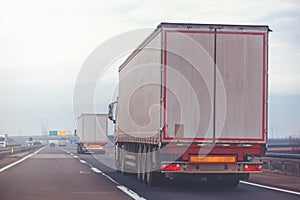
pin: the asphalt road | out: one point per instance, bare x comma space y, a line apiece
59, 173
54, 174
180, 189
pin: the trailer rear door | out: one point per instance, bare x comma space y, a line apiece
223, 102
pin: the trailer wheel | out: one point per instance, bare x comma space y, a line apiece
78, 149
231, 183
149, 168
117, 158
139, 163
123, 166
153, 178
150, 173
143, 164
122, 162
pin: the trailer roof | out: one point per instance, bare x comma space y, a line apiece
213, 26
93, 114
191, 26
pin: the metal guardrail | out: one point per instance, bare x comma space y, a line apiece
283, 155
288, 164
8, 151
8, 148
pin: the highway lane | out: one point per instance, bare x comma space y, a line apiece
181, 189
54, 174
59, 173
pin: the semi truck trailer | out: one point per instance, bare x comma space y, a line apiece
92, 132
3, 141
193, 102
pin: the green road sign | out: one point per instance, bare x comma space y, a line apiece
53, 133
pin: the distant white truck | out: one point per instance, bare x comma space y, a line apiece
62, 142
3, 141
92, 130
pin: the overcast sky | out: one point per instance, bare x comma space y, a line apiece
43, 45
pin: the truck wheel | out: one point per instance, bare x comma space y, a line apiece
153, 178
139, 163
231, 183
149, 170
143, 164
117, 158
123, 166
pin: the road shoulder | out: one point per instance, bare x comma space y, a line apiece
277, 180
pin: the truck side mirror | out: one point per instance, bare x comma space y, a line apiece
110, 112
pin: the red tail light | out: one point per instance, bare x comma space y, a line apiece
170, 167
252, 168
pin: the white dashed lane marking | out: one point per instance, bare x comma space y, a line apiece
126, 190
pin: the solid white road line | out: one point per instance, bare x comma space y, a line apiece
21, 160
82, 161
270, 188
98, 171
130, 193
121, 187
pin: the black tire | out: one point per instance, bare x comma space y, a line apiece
139, 163
123, 166
232, 183
149, 169
117, 159
78, 150
143, 164
152, 177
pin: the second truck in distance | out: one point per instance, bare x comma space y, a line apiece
92, 132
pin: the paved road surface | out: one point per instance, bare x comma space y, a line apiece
56, 173
182, 189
